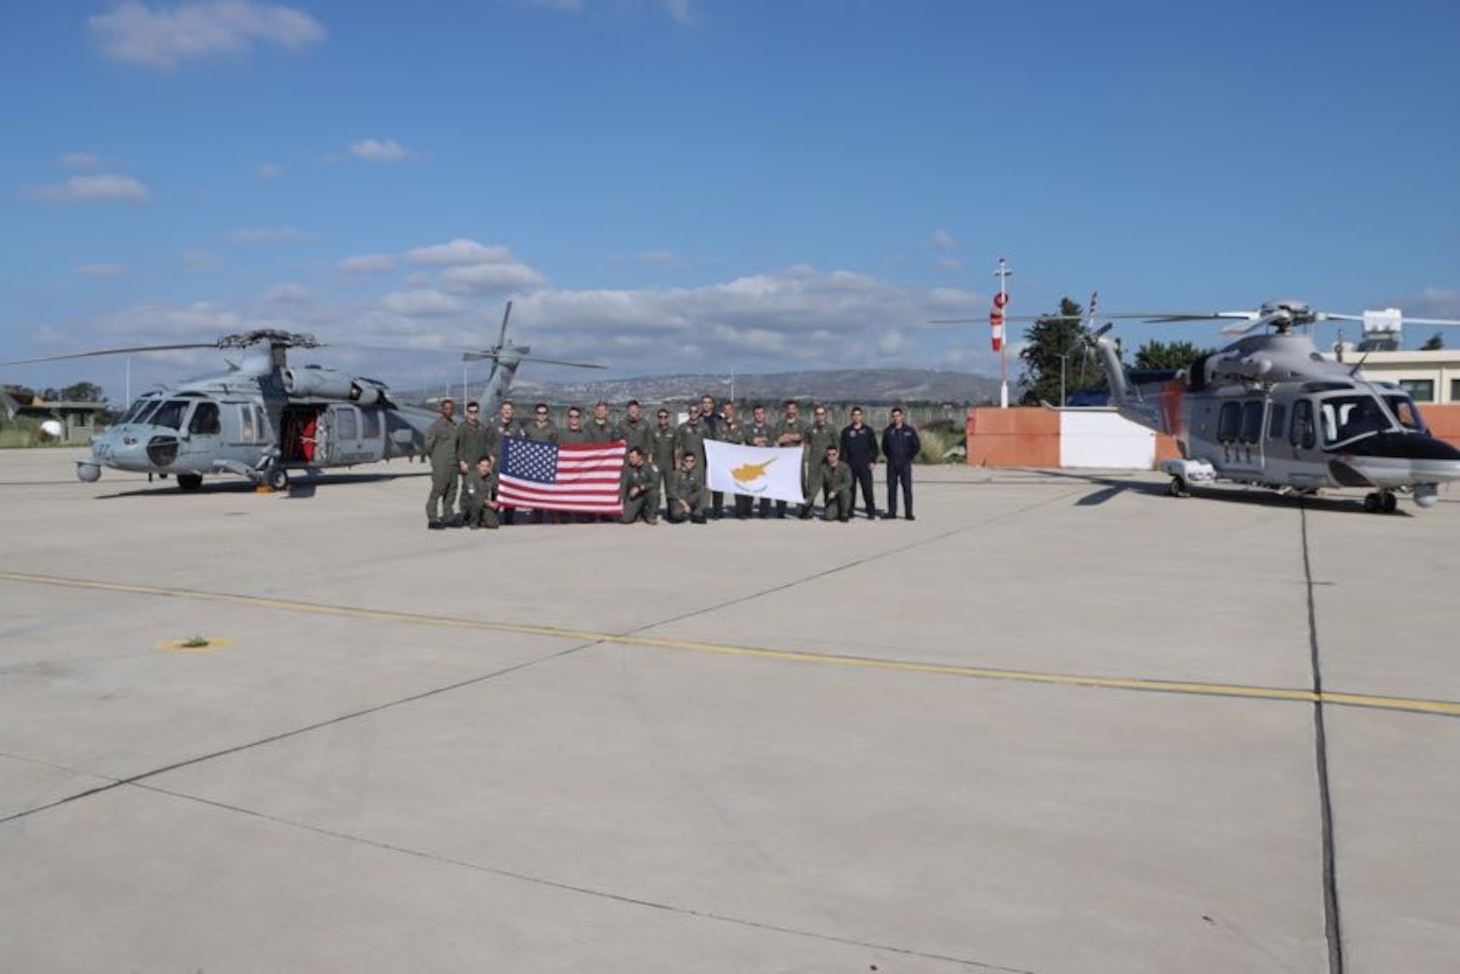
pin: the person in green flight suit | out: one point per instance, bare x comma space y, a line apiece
479, 495
791, 431
836, 487
441, 449
634, 429
639, 490
760, 432
687, 493
661, 449
730, 430
473, 441
819, 437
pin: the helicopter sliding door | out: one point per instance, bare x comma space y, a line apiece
351, 434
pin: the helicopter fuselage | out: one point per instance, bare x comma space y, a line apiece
251, 425
1272, 411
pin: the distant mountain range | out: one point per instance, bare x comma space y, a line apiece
842, 385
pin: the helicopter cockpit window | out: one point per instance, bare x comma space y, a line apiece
135, 411
245, 423
1251, 422
205, 419
1348, 417
1406, 412
1303, 434
1229, 422
170, 414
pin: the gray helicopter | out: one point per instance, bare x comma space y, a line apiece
1271, 410
264, 418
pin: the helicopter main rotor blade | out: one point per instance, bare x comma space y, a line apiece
502, 335
1406, 319
135, 350
558, 361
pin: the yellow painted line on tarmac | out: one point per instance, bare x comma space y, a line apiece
1446, 708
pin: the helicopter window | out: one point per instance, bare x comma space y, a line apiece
1277, 422
170, 414
1345, 417
1251, 422
1302, 434
1229, 422
1406, 412
138, 408
245, 423
346, 426
205, 419
370, 425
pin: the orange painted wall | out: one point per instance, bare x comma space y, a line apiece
1444, 422
1025, 436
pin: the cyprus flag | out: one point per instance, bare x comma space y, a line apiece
773, 472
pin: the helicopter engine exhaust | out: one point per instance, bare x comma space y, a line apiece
328, 384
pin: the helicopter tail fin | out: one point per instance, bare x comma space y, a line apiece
1110, 362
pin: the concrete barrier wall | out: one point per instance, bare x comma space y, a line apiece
1036, 436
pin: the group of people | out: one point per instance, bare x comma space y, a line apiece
665, 469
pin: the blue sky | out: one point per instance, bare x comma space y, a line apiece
700, 185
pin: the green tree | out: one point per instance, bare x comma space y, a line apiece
1434, 344
83, 392
1054, 355
1168, 355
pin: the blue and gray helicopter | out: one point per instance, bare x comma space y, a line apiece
264, 419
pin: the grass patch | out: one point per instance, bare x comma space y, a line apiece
938, 438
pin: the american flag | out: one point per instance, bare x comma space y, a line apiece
566, 477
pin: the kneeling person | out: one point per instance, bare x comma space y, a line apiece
640, 489
479, 495
836, 486
688, 497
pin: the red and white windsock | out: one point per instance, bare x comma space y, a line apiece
996, 319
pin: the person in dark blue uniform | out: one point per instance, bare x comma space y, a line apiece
859, 450
900, 445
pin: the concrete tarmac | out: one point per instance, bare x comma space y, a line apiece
1059, 724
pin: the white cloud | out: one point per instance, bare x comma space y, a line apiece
161, 39
266, 235
101, 270
79, 160
269, 170
424, 303
368, 264
459, 251
1432, 302
102, 187
377, 150
491, 278
287, 293
679, 11
663, 258
940, 240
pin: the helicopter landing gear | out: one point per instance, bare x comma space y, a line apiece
1179, 488
189, 481
1381, 502
277, 478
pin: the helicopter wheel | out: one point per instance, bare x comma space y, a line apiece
278, 478
1373, 502
189, 481
1178, 488
1388, 503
